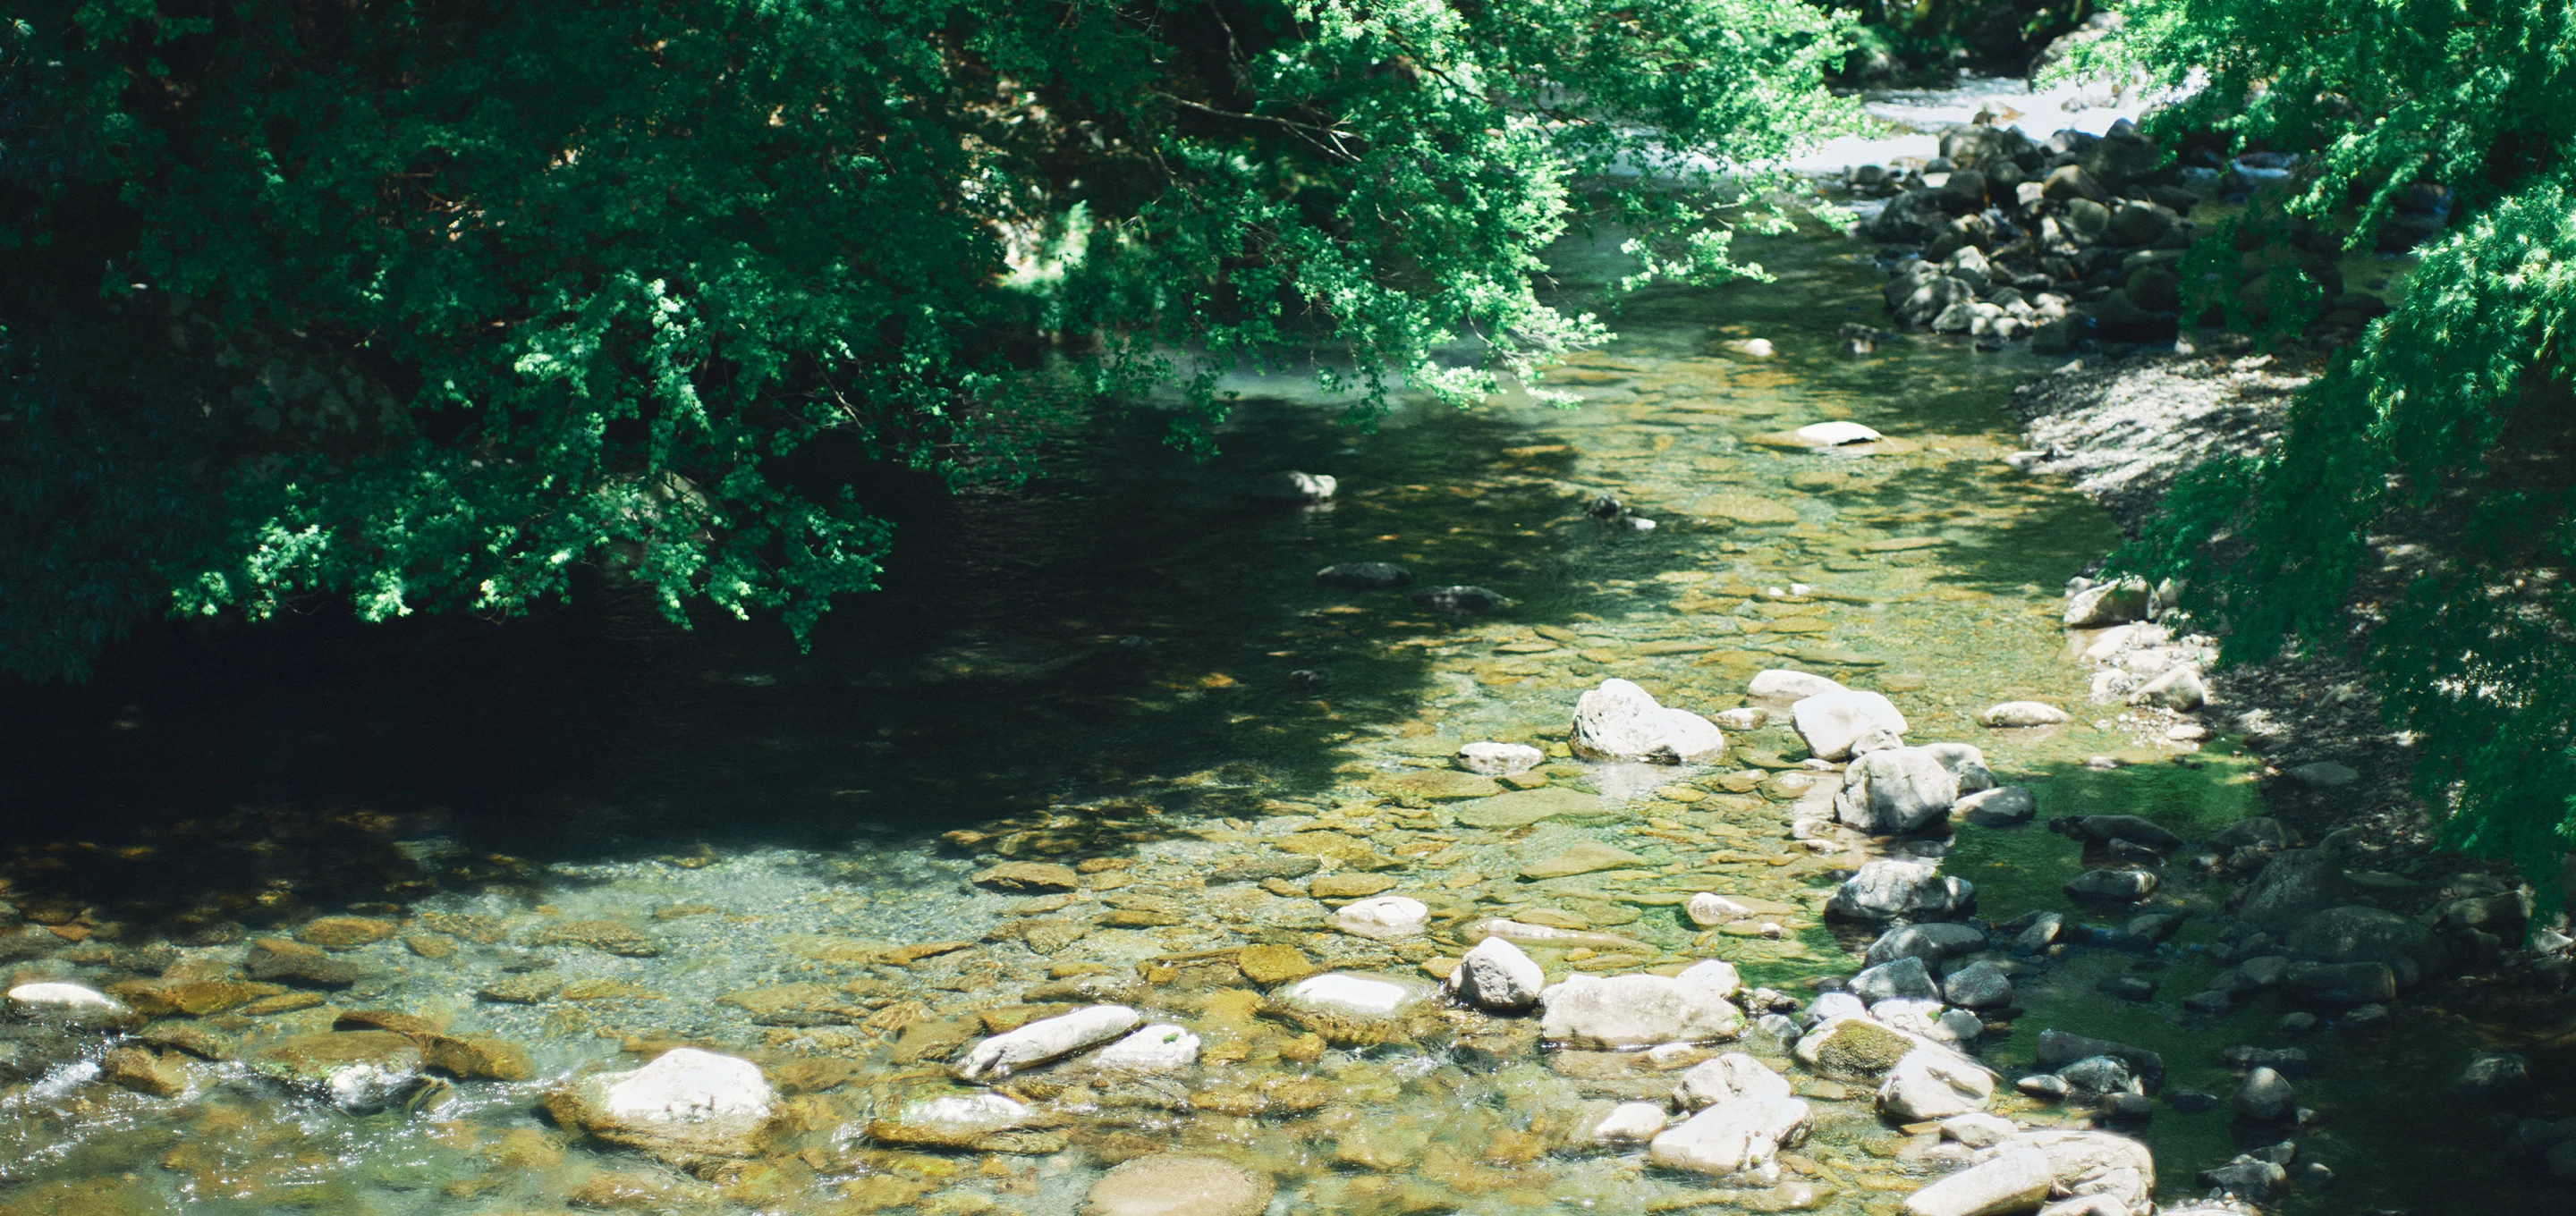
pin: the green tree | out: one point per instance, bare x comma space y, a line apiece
427, 302
2448, 425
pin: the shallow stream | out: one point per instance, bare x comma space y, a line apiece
1098, 670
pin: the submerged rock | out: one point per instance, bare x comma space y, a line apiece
58, 1003
357, 1071
1365, 576
1459, 600
1293, 486
686, 1106
1179, 1184
1158, 1048
1356, 1010
982, 1122
1620, 721
1046, 1039
1383, 918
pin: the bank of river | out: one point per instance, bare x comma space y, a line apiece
1109, 740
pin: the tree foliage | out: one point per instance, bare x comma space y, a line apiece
2445, 434
428, 302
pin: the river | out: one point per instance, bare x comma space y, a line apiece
594, 841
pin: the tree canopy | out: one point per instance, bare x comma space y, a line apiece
425, 303
2420, 495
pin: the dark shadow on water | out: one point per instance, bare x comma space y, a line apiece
1114, 642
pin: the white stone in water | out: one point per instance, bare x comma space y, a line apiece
1977, 1129
1161, 1047
1966, 764
1512, 930
1957, 1026
1708, 909
685, 1084
1179, 1184
1497, 976
1294, 486
1046, 1039
1620, 721
1928, 1085
54, 996
1636, 1011
2014, 1181
1743, 717
2022, 713
1782, 687
1499, 759
1728, 1078
2002, 804
1630, 1123
1353, 993
1835, 434
1750, 348
1832, 722
1895, 887
1383, 918
1715, 977
965, 1113
1732, 1138
1897, 790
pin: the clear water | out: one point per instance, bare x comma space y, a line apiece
1098, 668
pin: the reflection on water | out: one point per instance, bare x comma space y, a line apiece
593, 846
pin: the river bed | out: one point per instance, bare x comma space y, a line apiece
596, 855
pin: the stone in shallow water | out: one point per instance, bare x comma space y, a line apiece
1384, 918
1620, 721
1179, 1184
65, 1003
2002, 806
1637, 1011
357, 1071
345, 932
1732, 1077
1521, 808
1046, 1039
1273, 964
980, 1121
2013, 1181
1779, 686
604, 935
1158, 1048
1832, 722
1582, 857
1891, 888
1356, 1010
1436, 784
1498, 977
1835, 434
1499, 759
1027, 877
1929, 1084
1733, 1138
686, 1106
1896, 790
1365, 576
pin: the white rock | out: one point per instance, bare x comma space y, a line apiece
2002, 804
1046, 1039
1835, 434
2180, 687
1928, 1085
1497, 976
1890, 792
1358, 994
1913, 1015
2112, 603
1781, 687
1732, 1138
1709, 909
2023, 713
1728, 1078
1297, 487
45, 997
1714, 977
1383, 918
685, 1105
1179, 1184
1499, 759
1832, 722
1743, 717
1750, 348
2113, 640
1630, 1123
1640, 1010
1161, 1047
1620, 721
965, 1113
2015, 1181
1977, 1129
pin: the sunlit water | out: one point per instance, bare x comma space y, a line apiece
1099, 668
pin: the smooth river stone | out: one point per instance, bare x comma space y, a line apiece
1177, 1184
1436, 784
1521, 808
1584, 857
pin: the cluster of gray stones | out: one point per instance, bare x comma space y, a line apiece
2059, 239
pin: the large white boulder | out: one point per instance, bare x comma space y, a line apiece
1046, 1039
1608, 1013
1732, 1077
1899, 790
1928, 1085
2014, 1181
1732, 1138
1498, 977
1831, 723
1620, 721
